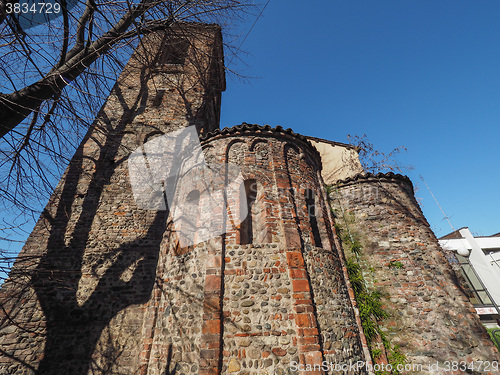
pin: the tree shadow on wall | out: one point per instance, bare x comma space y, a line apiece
74, 328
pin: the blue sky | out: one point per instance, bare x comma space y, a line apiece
420, 74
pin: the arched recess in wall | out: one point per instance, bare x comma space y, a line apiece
305, 199
236, 154
186, 225
291, 155
253, 229
198, 185
263, 155
299, 163
263, 208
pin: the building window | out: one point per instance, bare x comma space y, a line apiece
158, 98
311, 213
174, 51
477, 293
246, 226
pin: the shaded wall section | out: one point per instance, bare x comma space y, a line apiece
286, 302
83, 295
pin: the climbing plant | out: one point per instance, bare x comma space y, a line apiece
369, 303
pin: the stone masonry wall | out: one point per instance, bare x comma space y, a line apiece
285, 297
121, 297
83, 295
431, 319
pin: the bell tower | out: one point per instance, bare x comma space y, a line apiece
76, 300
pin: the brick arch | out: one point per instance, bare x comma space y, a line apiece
304, 157
231, 147
292, 159
257, 141
303, 177
287, 146
210, 154
263, 154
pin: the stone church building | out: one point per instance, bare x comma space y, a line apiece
105, 286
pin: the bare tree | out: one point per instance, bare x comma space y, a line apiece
54, 77
46, 136
373, 160
67, 46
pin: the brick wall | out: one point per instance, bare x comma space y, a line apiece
431, 319
285, 298
78, 298
135, 304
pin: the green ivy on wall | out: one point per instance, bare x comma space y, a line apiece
369, 302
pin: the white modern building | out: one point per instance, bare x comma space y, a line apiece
479, 260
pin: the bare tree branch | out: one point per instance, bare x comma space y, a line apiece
56, 76
18, 105
373, 160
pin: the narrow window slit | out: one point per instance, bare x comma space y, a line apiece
311, 213
246, 226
